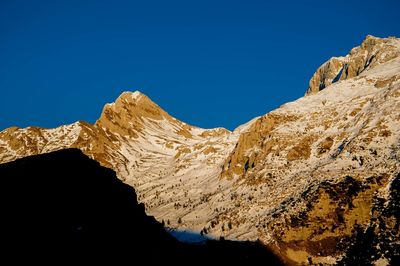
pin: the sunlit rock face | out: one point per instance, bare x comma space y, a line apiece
372, 52
312, 179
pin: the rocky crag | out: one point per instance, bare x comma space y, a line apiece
314, 179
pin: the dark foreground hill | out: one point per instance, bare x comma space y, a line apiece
64, 207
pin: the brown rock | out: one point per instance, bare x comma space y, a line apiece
373, 51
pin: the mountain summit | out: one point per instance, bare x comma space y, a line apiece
316, 180
372, 52
127, 114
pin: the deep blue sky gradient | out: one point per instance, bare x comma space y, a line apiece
208, 63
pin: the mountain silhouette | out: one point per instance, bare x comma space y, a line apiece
64, 207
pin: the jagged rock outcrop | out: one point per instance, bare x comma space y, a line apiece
312, 179
372, 52
127, 115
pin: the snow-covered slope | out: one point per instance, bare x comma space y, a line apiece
308, 179
294, 166
173, 166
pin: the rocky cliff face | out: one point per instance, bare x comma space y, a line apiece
372, 52
313, 179
315, 167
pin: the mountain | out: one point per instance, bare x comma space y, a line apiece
65, 206
316, 180
372, 52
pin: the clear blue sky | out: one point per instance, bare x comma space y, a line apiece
208, 63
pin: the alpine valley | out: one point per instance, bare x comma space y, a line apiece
316, 180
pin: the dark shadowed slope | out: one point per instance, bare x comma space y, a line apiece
63, 206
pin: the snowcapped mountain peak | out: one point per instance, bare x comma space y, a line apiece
133, 95
136, 98
133, 114
136, 94
127, 114
307, 178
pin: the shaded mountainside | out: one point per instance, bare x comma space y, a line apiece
311, 180
65, 206
165, 160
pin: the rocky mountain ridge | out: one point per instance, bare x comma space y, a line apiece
308, 179
373, 51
